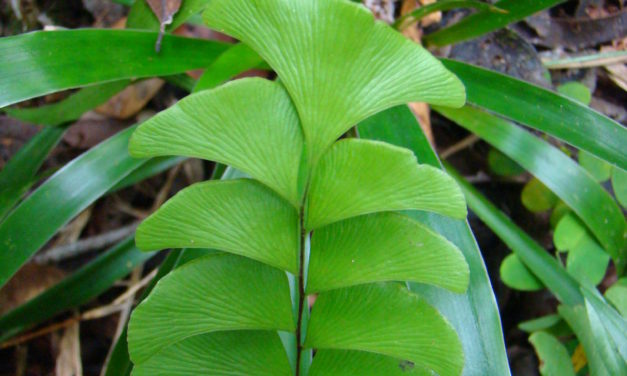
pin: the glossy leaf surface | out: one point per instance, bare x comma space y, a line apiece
361, 176
366, 65
570, 182
544, 110
385, 319
354, 252
60, 198
262, 138
30, 63
214, 293
240, 216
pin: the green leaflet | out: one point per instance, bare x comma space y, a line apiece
570, 182
236, 353
385, 319
541, 323
213, 293
238, 216
516, 275
348, 363
26, 70
617, 295
361, 66
357, 177
354, 251
554, 358
262, 137
232, 62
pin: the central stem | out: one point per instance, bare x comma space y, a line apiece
301, 288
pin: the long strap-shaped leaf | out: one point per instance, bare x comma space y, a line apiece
474, 314
214, 293
486, 21
562, 175
72, 189
544, 110
358, 177
361, 67
30, 64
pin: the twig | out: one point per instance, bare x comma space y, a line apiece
593, 60
85, 245
130, 292
461, 145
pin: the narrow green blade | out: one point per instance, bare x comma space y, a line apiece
39, 63
545, 111
232, 62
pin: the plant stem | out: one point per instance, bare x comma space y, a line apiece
301, 288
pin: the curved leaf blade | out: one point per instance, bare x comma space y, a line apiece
238, 353
515, 274
570, 182
61, 198
558, 115
232, 62
353, 252
214, 293
367, 68
385, 319
237, 216
31, 64
554, 358
262, 138
361, 176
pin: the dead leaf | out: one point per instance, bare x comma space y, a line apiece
165, 11
69, 358
131, 100
28, 282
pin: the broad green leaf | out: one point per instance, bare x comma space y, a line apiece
213, 293
502, 165
569, 181
360, 176
349, 363
576, 91
617, 295
249, 124
237, 353
541, 323
516, 275
486, 21
60, 198
587, 262
18, 175
554, 358
607, 325
619, 185
474, 314
383, 247
79, 288
71, 108
39, 63
546, 268
238, 216
232, 62
544, 110
385, 319
366, 66
536, 197
598, 168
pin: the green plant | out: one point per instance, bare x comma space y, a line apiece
316, 208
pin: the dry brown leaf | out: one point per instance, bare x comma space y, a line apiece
28, 282
165, 11
131, 100
69, 358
